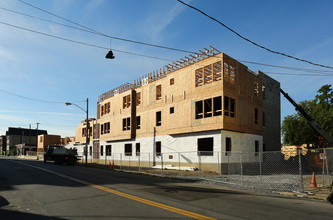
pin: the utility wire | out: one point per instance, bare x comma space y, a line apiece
295, 74
37, 100
83, 43
93, 32
252, 42
105, 35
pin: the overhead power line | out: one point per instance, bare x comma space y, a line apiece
80, 42
88, 30
102, 34
252, 42
164, 59
37, 100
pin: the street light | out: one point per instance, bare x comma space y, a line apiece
87, 127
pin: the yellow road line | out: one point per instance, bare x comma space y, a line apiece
125, 195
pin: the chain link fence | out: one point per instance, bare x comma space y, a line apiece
261, 171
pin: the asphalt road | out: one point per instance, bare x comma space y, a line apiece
35, 190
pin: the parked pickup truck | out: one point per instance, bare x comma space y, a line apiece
60, 154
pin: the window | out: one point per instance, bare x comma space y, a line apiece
256, 148
256, 88
229, 106
208, 108
217, 106
137, 149
198, 110
90, 151
105, 128
172, 110
229, 72
101, 150
127, 101
83, 132
205, 146
158, 119
158, 92
108, 151
126, 124
227, 146
128, 149
208, 74
172, 81
256, 116
41, 139
138, 122
102, 110
158, 148
138, 98
128, 120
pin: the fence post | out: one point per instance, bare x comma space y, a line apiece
139, 162
199, 157
241, 163
218, 164
300, 169
149, 160
179, 161
260, 171
228, 166
161, 164
121, 160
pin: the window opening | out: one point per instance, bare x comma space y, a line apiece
198, 77
217, 103
198, 110
229, 106
126, 124
158, 92
205, 146
138, 122
108, 150
256, 116
208, 108
217, 71
172, 110
158, 119
137, 149
128, 120
102, 128
208, 75
158, 148
172, 81
101, 150
128, 149
90, 151
256, 88
256, 146
138, 98
227, 146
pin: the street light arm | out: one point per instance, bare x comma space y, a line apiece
69, 103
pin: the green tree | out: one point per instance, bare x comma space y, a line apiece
295, 128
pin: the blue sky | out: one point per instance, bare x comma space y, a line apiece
44, 68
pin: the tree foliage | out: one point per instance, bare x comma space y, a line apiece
295, 128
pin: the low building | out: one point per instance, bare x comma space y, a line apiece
45, 140
15, 136
3, 144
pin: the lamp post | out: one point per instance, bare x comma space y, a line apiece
87, 127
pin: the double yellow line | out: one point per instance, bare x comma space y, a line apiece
125, 195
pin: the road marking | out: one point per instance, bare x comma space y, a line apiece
125, 195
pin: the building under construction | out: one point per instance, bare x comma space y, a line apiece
205, 103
